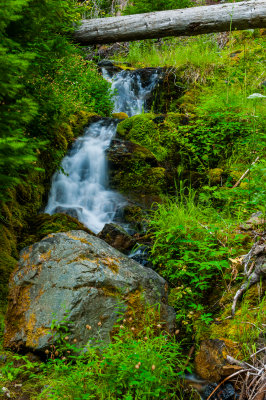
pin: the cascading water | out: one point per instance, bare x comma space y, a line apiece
80, 188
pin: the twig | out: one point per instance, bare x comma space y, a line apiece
264, 348
226, 379
254, 388
245, 174
233, 361
191, 351
253, 278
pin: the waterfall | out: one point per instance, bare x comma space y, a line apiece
80, 187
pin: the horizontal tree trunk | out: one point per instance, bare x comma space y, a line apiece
184, 22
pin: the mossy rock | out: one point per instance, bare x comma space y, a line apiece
123, 128
215, 176
145, 131
166, 95
81, 119
45, 224
211, 358
133, 214
120, 115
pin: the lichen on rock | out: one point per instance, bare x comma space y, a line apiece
80, 273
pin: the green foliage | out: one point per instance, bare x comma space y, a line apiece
24, 368
75, 85
191, 248
140, 365
43, 81
140, 6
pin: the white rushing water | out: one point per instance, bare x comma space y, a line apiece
80, 188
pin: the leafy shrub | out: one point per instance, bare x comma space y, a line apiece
75, 85
140, 6
190, 252
43, 81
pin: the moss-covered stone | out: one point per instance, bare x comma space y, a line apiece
211, 358
120, 115
45, 224
215, 176
133, 214
166, 95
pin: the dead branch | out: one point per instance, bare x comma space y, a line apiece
245, 174
257, 256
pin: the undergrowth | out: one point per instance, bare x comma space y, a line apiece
146, 365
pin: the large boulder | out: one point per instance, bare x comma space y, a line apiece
78, 276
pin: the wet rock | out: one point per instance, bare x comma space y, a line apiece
106, 63
142, 255
224, 392
211, 358
80, 273
73, 212
122, 151
171, 86
135, 216
117, 237
135, 172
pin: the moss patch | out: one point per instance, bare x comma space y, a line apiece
45, 224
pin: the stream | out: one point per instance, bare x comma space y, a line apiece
81, 188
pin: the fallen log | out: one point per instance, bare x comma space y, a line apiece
184, 22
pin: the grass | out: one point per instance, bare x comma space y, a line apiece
200, 51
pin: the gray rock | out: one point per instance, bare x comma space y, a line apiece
78, 275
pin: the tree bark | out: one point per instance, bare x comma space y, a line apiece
184, 22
